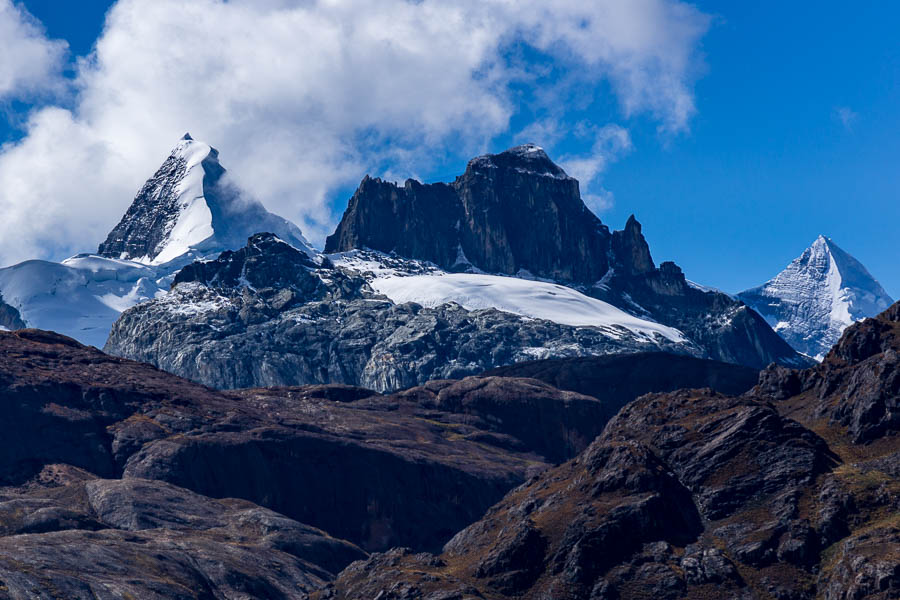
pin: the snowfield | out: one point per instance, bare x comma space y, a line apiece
80, 297
535, 299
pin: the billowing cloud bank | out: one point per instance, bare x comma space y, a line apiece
304, 96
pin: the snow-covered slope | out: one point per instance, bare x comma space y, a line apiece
188, 209
80, 297
407, 280
817, 296
536, 299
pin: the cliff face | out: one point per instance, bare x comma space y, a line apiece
10, 317
509, 212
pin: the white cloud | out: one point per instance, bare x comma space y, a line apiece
611, 142
302, 97
846, 117
29, 62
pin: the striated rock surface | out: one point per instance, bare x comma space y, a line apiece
519, 214
69, 534
789, 491
267, 315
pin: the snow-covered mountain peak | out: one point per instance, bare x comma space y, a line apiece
817, 296
526, 158
187, 209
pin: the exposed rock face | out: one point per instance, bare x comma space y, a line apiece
9, 317
267, 315
726, 329
617, 379
187, 206
485, 218
817, 296
71, 535
694, 494
857, 386
517, 213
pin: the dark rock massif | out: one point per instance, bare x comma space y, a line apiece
268, 315
387, 470
485, 218
789, 491
119, 479
517, 213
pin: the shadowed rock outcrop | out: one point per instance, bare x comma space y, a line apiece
617, 379
9, 317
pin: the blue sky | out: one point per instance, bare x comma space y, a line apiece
794, 133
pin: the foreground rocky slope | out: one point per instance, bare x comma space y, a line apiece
789, 491
119, 479
517, 213
386, 470
70, 534
270, 315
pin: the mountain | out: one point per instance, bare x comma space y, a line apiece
187, 211
817, 296
511, 213
517, 213
269, 315
189, 207
788, 491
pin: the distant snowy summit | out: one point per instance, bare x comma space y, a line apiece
188, 207
187, 211
817, 296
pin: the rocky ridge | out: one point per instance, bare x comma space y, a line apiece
789, 491
189, 207
517, 213
269, 315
